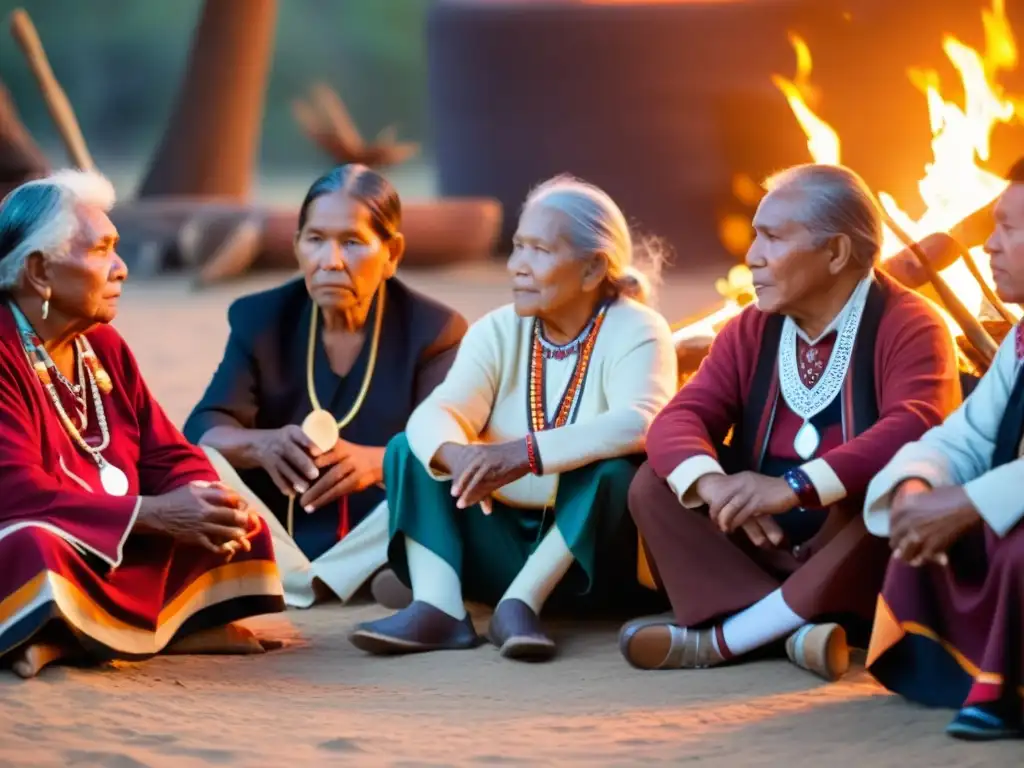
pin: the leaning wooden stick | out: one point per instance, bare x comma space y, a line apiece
973, 330
24, 33
986, 289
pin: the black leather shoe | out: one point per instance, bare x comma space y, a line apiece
418, 628
516, 630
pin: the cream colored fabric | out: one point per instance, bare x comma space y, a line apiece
343, 569
632, 376
542, 572
959, 452
434, 581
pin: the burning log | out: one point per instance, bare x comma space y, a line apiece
973, 330
24, 33
973, 363
941, 250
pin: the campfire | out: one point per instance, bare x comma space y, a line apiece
925, 253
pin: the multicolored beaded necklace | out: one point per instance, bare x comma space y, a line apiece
554, 351
536, 393
114, 481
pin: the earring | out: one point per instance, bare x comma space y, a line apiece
46, 307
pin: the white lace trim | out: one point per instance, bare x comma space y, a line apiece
808, 402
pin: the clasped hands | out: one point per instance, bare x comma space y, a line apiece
298, 467
746, 502
479, 470
924, 522
205, 514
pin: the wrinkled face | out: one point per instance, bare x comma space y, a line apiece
788, 262
1006, 245
343, 259
86, 284
547, 273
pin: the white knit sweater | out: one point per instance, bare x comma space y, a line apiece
632, 375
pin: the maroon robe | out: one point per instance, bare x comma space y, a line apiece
66, 548
953, 636
902, 381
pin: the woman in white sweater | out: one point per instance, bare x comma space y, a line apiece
511, 478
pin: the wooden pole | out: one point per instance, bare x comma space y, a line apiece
24, 33
986, 289
20, 157
972, 328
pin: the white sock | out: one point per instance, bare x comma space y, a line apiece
766, 620
542, 572
433, 580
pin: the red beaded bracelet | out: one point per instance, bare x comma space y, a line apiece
533, 456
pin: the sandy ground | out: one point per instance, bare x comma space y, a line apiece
319, 701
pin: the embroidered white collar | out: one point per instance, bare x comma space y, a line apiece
808, 402
837, 321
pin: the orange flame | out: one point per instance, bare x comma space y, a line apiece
954, 185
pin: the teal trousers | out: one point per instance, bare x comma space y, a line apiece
487, 551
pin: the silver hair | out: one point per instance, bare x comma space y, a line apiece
839, 202
597, 225
41, 216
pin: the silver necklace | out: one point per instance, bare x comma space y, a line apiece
76, 390
808, 402
113, 479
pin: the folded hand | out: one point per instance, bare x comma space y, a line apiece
479, 470
734, 500
346, 468
925, 523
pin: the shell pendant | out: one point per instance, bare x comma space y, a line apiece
113, 480
806, 441
321, 427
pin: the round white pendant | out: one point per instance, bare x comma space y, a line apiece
113, 480
806, 442
322, 428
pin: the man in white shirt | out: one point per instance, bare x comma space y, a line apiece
949, 629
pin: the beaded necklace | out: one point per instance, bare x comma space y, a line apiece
554, 351
536, 393
114, 481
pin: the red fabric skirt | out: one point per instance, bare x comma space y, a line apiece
159, 593
954, 636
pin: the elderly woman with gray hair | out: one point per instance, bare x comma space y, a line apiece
835, 367
115, 539
511, 478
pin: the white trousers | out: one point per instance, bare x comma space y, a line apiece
343, 569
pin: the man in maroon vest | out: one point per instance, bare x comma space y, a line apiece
749, 505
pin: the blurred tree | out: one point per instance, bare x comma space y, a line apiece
121, 63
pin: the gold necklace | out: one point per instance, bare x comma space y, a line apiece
320, 425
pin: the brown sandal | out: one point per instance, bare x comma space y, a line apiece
820, 649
